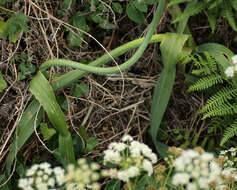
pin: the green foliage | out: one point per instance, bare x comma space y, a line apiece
103, 14
223, 101
229, 132
171, 47
135, 14
113, 184
13, 27
3, 2
25, 67
46, 131
213, 9
3, 83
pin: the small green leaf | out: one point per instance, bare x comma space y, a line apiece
46, 131
67, 4
79, 90
3, 26
150, 2
134, 14
91, 143
113, 184
75, 38
26, 68
141, 6
117, 7
106, 25
3, 83
174, 2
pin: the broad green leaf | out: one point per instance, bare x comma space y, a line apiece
134, 14
30, 118
46, 131
80, 90
170, 47
43, 92
3, 83
113, 184
117, 7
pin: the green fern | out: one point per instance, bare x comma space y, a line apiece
206, 82
229, 133
224, 109
223, 103
205, 64
213, 9
193, 8
228, 13
220, 98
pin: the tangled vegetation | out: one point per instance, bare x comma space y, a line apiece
152, 80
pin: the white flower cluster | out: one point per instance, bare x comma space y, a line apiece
229, 172
131, 156
195, 171
231, 157
82, 177
42, 177
231, 69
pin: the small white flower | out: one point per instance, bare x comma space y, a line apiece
147, 166
51, 182
234, 59
192, 186
117, 146
180, 179
127, 138
111, 156
123, 176
229, 71
207, 157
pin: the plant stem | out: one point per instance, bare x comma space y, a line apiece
127, 64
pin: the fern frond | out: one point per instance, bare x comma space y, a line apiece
229, 15
219, 98
229, 133
206, 82
192, 9
205, 64
225, 109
